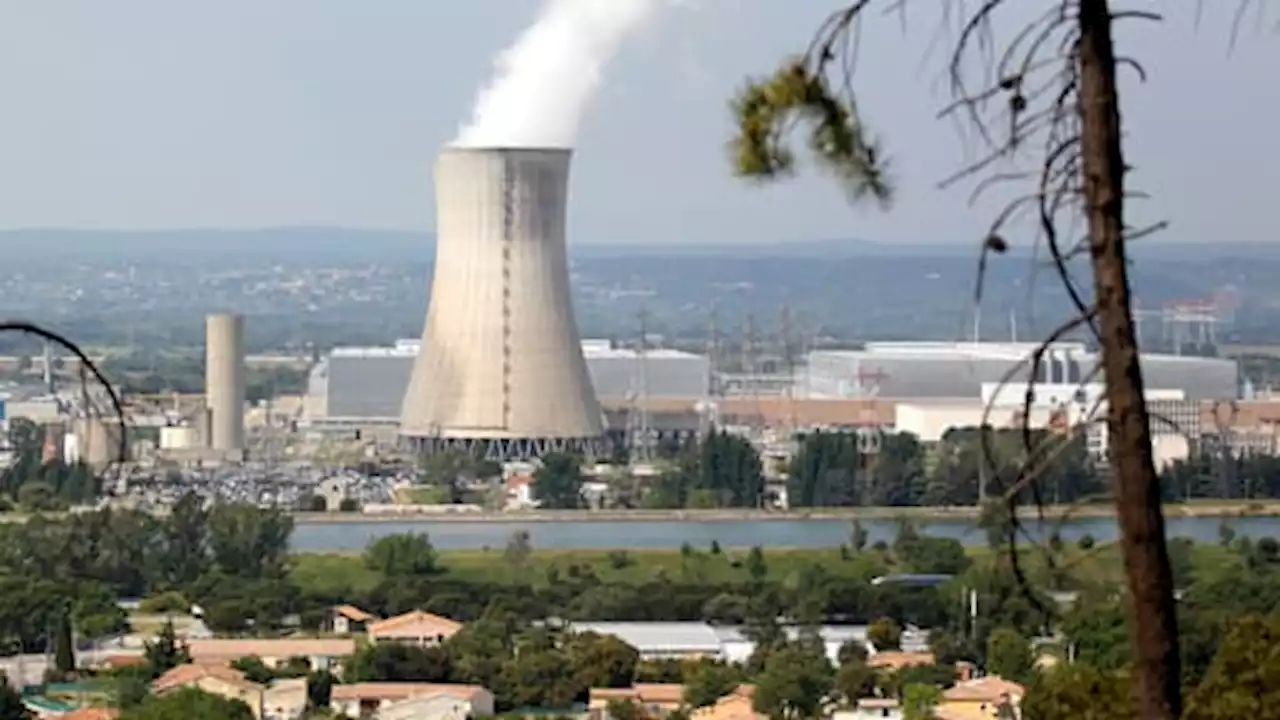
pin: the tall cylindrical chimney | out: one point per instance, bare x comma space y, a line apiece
501, 359
224, 381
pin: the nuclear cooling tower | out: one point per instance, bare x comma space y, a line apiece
500, 368
224, 381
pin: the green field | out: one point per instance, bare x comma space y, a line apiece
339, 572
321, 570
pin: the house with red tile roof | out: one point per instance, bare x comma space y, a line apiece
368, 698
653, 699
980, 698
417, 627
213, 678
349, 620
320, 653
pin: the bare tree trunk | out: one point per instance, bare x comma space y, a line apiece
1136, 485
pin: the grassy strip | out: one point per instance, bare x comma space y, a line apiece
337, 573
1195, 508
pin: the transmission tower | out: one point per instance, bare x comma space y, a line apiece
750, 370
787, 348
807, 331
713, 350
641, 439
48, 369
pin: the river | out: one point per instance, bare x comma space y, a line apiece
348, 536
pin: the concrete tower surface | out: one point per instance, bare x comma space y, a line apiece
224, 381
501, 363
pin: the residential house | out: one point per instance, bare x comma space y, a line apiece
737, 705
375, 698
284, 699
981, 699
349, 620
654, 699
213, 678
320, 653
188, 674
895, 660
431, 706
418, 628
280, 700
871, 708
93, 713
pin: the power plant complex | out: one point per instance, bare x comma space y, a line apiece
500, 368
500, 364
501, 371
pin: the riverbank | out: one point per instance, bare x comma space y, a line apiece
1225, 509
1205, 509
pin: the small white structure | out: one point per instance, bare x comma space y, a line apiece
334, 490
178, 437
519, 490
594, 493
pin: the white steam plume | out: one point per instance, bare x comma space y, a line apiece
543, 82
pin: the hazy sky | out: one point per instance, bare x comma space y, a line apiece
246, 113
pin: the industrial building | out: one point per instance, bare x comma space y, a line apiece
693, 640
500, 365
934, 370
357, 384
656, 373
353, 385
1053, 406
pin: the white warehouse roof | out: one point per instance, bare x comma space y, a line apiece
1014, 350
677, 639
929, 370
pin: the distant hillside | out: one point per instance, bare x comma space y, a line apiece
800, 249
347, 245
266, 245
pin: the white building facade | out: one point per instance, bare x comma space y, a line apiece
934, 370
